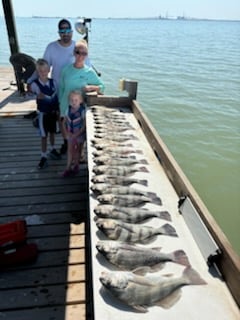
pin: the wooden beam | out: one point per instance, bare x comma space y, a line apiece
12, 35
10, 23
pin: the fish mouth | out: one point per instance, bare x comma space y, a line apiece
99, 247
105, 280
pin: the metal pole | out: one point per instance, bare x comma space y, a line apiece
12, 34
10, 23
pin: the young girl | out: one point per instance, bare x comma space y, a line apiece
74, 124
48, 109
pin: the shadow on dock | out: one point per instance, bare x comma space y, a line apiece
55, 209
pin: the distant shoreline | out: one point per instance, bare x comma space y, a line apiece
160, 18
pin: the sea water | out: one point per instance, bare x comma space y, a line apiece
188, 75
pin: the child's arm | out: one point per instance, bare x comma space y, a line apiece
64, 129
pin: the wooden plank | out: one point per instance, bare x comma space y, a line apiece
25, 184
55, 230
66, 312
57, 190
55, 210
42, 199
47, 173
59, 242
47, 218
53, 258
42, 276
43, 296
76, 206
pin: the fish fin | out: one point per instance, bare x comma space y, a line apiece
157, 248
167, 275
133, 137
179, 256
141, 270
170, 300
156, 200
165, 215
169, 230
148, 240
147, 282
143, 161
157, 267
143, 182
193, 277
143, 169
140, 308
151, 195
128, 145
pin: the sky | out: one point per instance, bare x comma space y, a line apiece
208, 9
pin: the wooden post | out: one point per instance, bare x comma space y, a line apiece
10, 23
130, 86
12, 34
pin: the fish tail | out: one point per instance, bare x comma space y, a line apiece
179, 256
151, 195
169, 230
156, 200
193, 277
143, 182
143, 169
143, 161
165, 215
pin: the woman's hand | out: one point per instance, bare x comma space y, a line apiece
90, 88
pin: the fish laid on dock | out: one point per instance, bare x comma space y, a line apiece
127, 200
103, 145
111, 129
123, 181
118, 230
105, 188
102, 108
117, 161
117, 127
117, 138
115, 135
138, 258
118, 170
118, 151
141, 292
115, 117
130, 215
113, 122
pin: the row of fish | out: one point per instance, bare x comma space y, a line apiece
120, 216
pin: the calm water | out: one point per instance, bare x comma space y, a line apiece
189, 86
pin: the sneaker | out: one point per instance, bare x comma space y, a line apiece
54, 155
67, 173
63, 148
43, 163
75, 169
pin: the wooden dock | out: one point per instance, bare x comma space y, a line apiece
63, 283
55, 286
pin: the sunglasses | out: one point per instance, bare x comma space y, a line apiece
62, 31
80, 53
